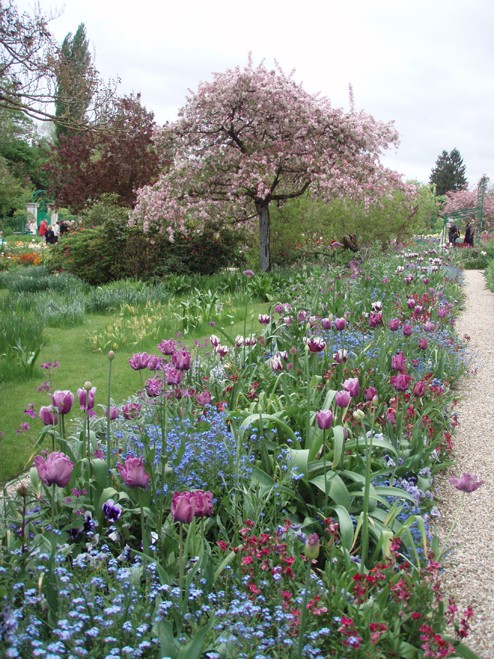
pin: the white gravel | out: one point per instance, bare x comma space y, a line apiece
469, 575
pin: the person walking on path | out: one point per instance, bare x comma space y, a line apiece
469, 559
42, 228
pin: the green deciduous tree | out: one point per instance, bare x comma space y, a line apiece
448, 174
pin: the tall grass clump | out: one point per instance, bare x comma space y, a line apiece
21, 339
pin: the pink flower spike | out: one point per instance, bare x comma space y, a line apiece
466, 483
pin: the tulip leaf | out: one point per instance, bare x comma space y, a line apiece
345, 526
332, 485
338, 444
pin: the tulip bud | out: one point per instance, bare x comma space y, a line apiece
111, 355
312, 546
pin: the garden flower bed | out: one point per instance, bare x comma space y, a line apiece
268, 494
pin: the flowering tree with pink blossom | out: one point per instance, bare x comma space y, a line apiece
462, 200
253, 136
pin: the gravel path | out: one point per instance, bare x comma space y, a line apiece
469, 565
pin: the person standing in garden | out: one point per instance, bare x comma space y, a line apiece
42, 228
468, 240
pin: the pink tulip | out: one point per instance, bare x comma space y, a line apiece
352, 386
133, 472
63, 401
203, 398
375, 319
48, 415
324, 419
407, 329
326, 323
187, 505
422, 344
131, 411
428, 326
55, 470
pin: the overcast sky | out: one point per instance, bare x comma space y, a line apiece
427, 65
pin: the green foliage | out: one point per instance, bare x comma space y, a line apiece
478, 257
448, 173
21, 339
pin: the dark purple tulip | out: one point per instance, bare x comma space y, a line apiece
419, 389
342, 398
394, 324
324, 419
352, 386
422, 344
181, 360
398, 362
315, 344
370, 393
86, 398
377, 306
48, 415
407, 329
133, 472
63, 401
340, 324
167, 346
264, 319
466, 483
55, 470
417, 309
139, 361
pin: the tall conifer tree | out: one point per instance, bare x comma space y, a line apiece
448, 174
74, 81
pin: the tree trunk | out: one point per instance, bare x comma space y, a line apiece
262, 208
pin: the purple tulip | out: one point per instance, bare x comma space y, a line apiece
221, 351
398, 362
172, 375
264, 319
214, 340
154, 363
352, 386
114, 412
302, 316
401, 381
48, 415
154, 387
326, 323
340, 324
375, 319
422, 344
86, 398
342, 398
203, 398
419, 389
187, 505
411, 303
466, 483
324, 419
139, 361
131, 411
370, 393
394, 324
417, 310
276, 362
407, 329
63, 401
248, 273
133, 472
167, 346
181, 360
55, 470
442, 312
429, 326
341, 356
